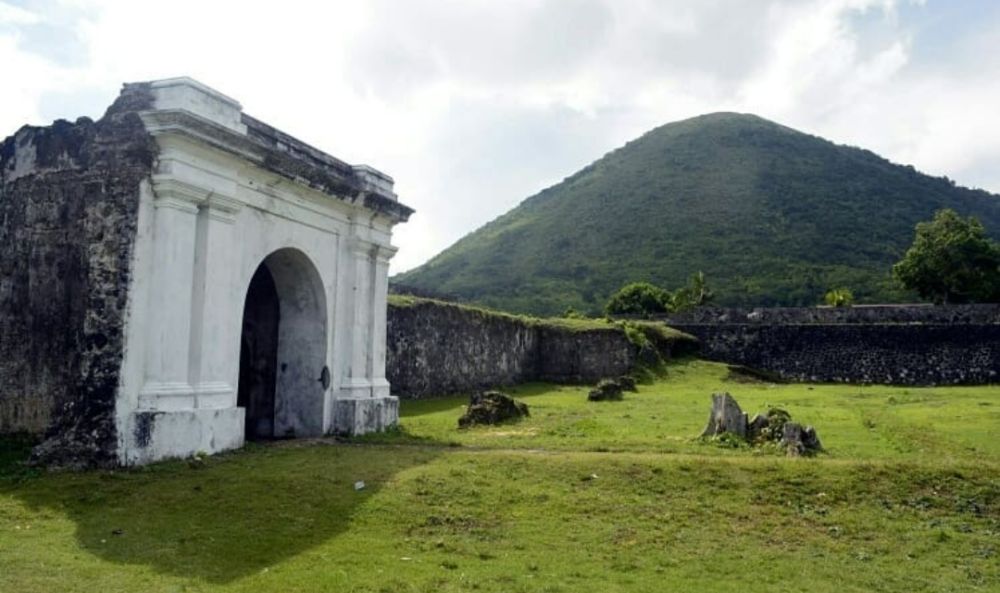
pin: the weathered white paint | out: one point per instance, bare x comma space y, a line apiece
208, 218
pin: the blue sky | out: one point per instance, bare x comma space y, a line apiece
473, 105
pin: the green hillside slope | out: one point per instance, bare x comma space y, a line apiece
771, 215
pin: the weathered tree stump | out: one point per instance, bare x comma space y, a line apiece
726, 416
774, 426
799, 441
768, 426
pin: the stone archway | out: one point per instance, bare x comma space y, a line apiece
283, 375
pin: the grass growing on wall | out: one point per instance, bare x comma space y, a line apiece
581, 496
655, 330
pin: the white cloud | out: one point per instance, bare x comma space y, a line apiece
472, 105
15, 15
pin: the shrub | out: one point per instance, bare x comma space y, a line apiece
839, 297
639, 298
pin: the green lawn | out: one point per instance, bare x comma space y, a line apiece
611, 496
855, 423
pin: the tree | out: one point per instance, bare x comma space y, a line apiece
839, 297
642, 298
695, 294
951, 261
639, 298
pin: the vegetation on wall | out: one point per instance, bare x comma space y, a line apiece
642, 298
839, 297
952, 260
639, 298
771, 215
657, 332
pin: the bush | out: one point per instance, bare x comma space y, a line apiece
839, 297
695, 294
639, 298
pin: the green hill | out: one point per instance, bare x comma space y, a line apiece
771, 215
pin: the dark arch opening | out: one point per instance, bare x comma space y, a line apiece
259, 355
283, 349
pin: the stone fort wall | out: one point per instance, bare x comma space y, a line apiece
435, 348
898, 344
68, 208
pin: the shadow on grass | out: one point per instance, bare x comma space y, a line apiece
14, 452
222, 518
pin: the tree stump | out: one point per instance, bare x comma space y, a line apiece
799, 441
726, 416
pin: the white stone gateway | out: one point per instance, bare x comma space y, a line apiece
257, 307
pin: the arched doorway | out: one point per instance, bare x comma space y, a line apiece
283, 375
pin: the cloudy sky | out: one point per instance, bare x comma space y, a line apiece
473, 105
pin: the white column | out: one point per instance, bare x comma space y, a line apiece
358, 381
215, 311
379, 303
168, 323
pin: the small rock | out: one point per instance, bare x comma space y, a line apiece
627, 383
492, 407
606, 389
359, 485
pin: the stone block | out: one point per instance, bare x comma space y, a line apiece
158, 435
353, 417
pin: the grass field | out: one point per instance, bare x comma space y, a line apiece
610, 496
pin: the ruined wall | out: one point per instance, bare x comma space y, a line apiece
436, 348
583, 356
904, 345
873, 314
68, 206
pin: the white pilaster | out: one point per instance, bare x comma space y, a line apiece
167, 385
377, 333
358, 383
215, 306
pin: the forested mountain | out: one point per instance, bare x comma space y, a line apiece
771, 215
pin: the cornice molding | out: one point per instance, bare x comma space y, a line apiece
171, 192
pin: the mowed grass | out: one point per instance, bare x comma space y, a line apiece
611, 496
854, 422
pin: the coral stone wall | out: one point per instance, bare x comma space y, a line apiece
905, 345
68, 207
583, 356
436, 348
